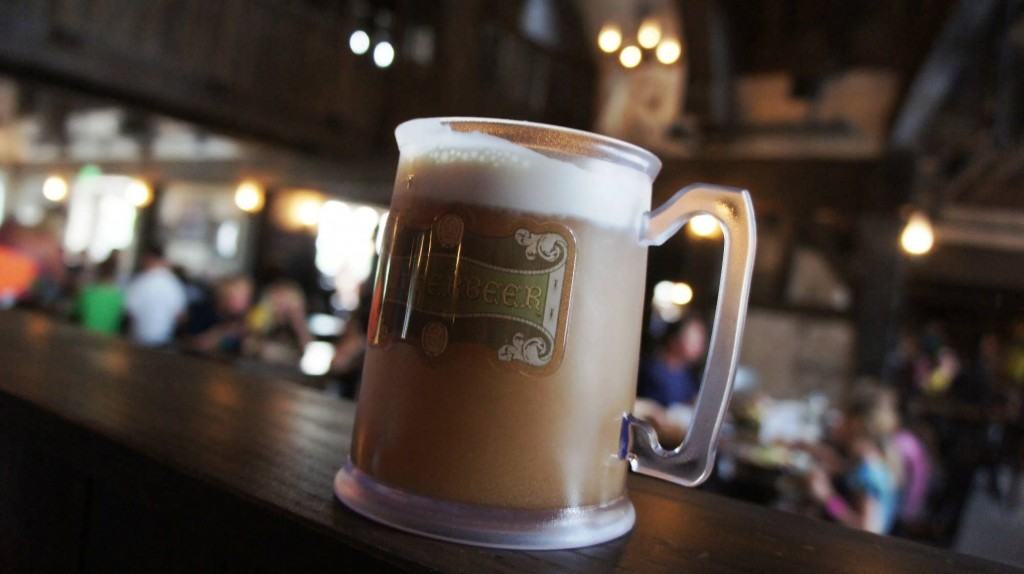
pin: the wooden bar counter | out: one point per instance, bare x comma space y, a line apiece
116, 458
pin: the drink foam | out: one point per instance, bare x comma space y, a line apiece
486, 170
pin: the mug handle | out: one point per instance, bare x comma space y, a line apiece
690, 463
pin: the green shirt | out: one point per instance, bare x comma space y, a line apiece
100, 307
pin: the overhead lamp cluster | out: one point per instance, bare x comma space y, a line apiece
373, 37
57, 189
649, 37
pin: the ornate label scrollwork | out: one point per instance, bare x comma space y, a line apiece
474, 278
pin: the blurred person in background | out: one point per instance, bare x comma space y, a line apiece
277, 329
200, 304
1015, 356
32, 268
99, 305
226, 328
18, 269
668, 376
943, 371
868, 472
669, 381
1013, 443
349, 351
916, 470
155, 300
906, 366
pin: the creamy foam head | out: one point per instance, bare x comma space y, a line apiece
481, 169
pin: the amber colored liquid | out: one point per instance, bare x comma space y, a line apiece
460, 428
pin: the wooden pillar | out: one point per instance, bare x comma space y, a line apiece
879, 291
259, 263
147, 228
880, 278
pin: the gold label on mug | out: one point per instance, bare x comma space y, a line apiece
473, 278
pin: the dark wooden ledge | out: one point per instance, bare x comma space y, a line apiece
116, 458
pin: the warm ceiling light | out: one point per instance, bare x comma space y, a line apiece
667, 293
630, 56
609, 38
917, 237
703, 225
249, 197
682, 293
307, 212
359, 42
649, 33
139, 193
668, 51
55, 188
383, 54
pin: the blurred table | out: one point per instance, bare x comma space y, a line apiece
117, 458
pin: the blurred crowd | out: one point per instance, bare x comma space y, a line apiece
161, 306
900, 454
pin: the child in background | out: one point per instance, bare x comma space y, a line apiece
871, 472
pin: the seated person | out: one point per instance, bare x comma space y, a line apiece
233, 298
668, 382
869, 472
668, 376
277, 329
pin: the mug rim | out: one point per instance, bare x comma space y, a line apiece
544, 138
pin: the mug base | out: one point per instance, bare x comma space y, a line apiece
482, 525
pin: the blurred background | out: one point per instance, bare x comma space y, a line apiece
209, 178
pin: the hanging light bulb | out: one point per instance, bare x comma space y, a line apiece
359, 42
55, 188
307, 212
649, 33
918, 237
249, 197
630, 56
668, 51
139, 193
609, 38
682, 293
703, 225
383, 54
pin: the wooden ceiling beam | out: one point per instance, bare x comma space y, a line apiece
1009, 113
709, 41
951, 53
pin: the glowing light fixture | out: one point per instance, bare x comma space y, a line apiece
55, 188
316, 358
609, 38
249, 197
672, 293
668, 51
670, 298
307, 212
918, 237
649, 33
359, 42
703, 225
630, 56
682, 293
383, 54
139, 193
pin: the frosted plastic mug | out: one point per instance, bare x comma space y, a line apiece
505, 331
